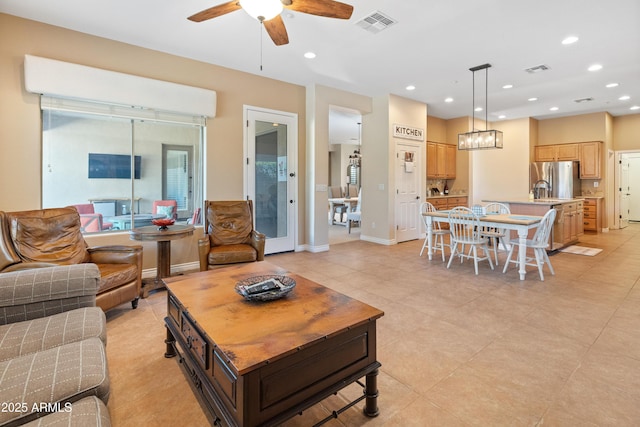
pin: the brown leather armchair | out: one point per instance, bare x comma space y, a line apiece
46, 237
229, 235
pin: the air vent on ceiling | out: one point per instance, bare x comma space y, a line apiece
375, 22
537, 69
589, 99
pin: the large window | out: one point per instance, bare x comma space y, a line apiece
121, 167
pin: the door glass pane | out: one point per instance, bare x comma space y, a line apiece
178, 178
271, 179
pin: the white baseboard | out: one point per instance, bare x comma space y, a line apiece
150, 273
387, 242
316, 249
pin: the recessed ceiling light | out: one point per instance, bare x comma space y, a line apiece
595, 67
411, 87
309, 55
507, 86
610, 85
635, 107
449, 99
478, 109
570, 40
502, 116
532, 99
554, 109
624, 98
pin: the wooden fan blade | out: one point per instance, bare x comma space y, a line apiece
215, 11
276, 30
328, 8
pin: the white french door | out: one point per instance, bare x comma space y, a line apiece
409, 159
271, 168
623, 190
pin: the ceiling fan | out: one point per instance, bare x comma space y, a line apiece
268, 13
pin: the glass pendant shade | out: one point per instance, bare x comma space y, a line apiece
262, 10
480, 139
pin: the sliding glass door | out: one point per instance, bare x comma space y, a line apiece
116, 169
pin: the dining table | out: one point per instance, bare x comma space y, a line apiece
518, 223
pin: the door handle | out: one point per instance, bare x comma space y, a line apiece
292, 174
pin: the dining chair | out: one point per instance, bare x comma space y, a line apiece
437, 231
335, 207
539, 243
493, 234
354, 216
464, 226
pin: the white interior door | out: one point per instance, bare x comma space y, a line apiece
409, 159
633, 194
270, 147
624, 191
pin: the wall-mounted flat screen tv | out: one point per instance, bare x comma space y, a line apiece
113, 166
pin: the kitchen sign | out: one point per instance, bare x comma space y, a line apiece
408, 132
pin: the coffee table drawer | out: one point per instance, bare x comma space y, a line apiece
173, 309
224, 378
195, 341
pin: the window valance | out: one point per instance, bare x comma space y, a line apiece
67, 80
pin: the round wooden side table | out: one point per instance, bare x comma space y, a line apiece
163, 236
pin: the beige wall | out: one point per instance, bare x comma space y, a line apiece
581, 128
20, 128
436, 129
378, 163
319, 100
626, 132
502, 175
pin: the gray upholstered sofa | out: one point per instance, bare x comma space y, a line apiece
53, 366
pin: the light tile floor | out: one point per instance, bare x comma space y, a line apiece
456, 349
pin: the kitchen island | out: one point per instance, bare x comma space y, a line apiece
569, 223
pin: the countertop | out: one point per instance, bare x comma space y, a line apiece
448, 196
526, 201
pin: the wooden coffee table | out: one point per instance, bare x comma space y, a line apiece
261, 363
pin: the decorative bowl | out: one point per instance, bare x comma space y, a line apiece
265, 288
163, 223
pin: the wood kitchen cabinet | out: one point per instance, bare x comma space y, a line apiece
557, 152
441, 160
590, 159
592, 218
444, 203
589, 154
573, 217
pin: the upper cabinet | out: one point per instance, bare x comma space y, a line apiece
441, 160
590, 159
589, 154
557, 153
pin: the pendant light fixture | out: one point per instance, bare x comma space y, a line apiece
480, 139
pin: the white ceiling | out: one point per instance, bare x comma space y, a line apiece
432, 46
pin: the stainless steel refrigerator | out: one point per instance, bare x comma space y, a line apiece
555, 180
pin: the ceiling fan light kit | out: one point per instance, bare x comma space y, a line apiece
262, 10
268, 13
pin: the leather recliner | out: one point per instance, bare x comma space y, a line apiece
229, 235
47, 237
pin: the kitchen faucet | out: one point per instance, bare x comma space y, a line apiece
539, 185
